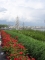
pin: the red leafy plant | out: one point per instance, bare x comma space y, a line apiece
13, 49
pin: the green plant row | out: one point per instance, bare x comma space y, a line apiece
39, 35
35, 48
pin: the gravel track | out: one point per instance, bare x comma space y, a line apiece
2, 55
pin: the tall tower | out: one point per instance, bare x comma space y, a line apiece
23, 25
17, 23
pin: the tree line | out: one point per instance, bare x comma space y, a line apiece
2, 26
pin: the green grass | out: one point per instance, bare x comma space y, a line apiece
35, 48
39, 35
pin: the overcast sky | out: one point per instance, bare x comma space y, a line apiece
27, 10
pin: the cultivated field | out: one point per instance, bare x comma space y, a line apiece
34, 41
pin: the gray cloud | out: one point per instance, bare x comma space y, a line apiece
32, 11
3, 9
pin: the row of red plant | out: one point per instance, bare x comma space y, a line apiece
13, 49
